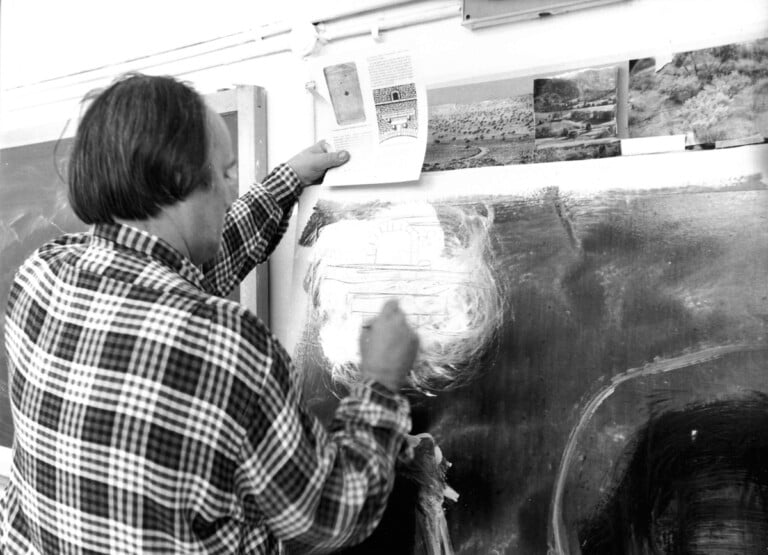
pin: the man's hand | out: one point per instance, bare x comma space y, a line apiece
311, 163
388, 347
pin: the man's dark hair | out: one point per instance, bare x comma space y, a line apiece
142, 144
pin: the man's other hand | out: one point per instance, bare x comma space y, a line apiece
388, 347
311, 163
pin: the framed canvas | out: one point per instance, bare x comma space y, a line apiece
576, 323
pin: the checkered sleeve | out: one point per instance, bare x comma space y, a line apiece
316, 489
3, 519
253, 227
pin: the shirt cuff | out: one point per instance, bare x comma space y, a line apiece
284, 185
379, 406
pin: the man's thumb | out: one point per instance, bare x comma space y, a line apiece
337, 158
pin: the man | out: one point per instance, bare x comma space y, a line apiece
152, 414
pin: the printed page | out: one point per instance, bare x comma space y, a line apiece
375, 107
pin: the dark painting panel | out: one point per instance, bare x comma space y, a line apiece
33, 209
590, 286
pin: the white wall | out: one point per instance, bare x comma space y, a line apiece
446, 52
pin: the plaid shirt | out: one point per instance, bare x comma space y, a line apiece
153, 415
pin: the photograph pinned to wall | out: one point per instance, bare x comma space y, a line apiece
575, 115
527, 302
346, 96
480, 124
712, 95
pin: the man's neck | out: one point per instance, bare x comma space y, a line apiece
163, 226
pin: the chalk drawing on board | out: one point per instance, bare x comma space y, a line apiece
480, 124
433, 259
710, 95
591, 283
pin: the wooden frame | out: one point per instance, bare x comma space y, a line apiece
250, 103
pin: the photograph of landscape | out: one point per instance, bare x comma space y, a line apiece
480, 124
710, 95
575, 115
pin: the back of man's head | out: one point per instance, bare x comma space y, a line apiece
142, 144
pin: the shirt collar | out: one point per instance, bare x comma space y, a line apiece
134, 239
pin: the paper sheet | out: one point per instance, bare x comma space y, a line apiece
651, 145
375, 107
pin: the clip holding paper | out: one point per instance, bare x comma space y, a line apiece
375, 32
303, 39
311, 88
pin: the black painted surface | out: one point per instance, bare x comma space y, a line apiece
696, 482
594, 285
33, 209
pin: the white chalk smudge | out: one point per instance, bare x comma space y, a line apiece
440, 277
